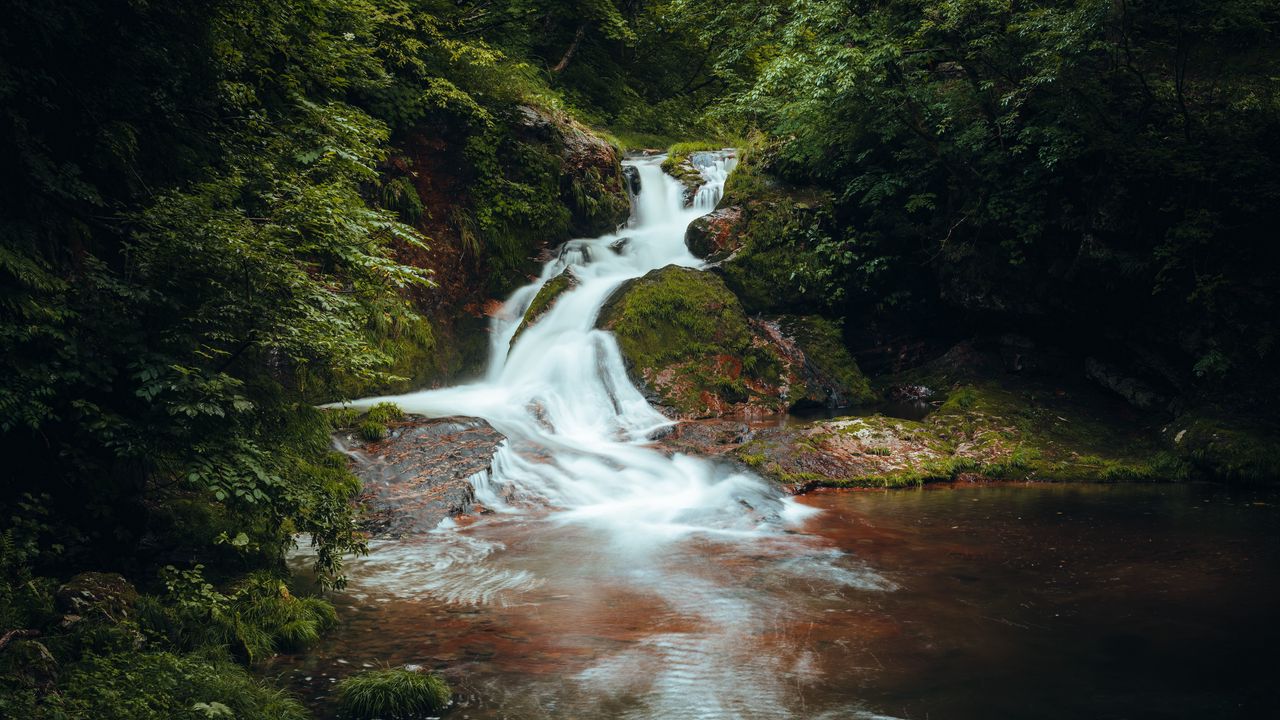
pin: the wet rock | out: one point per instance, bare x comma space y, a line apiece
95, 594
866, 451
422, 473
688, 175
632, 175
687, 168
689, 346
547, 296
993, 425
715, 237
706, 437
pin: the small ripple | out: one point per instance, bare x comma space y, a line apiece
448, 567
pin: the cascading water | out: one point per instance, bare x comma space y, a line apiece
583, 503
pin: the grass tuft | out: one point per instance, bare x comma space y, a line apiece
372, 431
384, 412
391, 694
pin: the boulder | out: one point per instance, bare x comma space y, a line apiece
715, 237
423, 472
689, 345
592, 184
691, 348
97, 594
819, 369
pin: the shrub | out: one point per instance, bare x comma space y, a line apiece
391, 694
257, 618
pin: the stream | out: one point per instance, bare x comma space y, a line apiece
612, 580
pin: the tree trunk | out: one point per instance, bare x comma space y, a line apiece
573, 48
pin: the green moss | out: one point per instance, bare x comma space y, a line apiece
1023, 432
1227, 447
674, 313
1011, 429
393, 694
547, 295
749, 182
823, 345
778, 267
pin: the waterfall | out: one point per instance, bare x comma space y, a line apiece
561, 393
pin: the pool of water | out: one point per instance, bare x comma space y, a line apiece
965, 601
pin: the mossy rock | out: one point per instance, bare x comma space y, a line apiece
547, 295
1227, 448
592, 186
680, 164
829, 374
992, 425
392, 694
99, 595
687, 339
770, 259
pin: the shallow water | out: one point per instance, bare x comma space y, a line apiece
1044, 601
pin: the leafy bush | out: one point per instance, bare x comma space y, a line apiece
257, 618
392, 694
166, 686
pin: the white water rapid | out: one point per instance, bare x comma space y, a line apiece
587, 510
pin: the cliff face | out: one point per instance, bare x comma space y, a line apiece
491, 204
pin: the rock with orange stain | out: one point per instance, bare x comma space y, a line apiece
716, 236
422, 473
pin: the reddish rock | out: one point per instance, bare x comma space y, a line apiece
715, 236
706, 437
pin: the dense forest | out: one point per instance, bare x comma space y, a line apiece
218, 216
